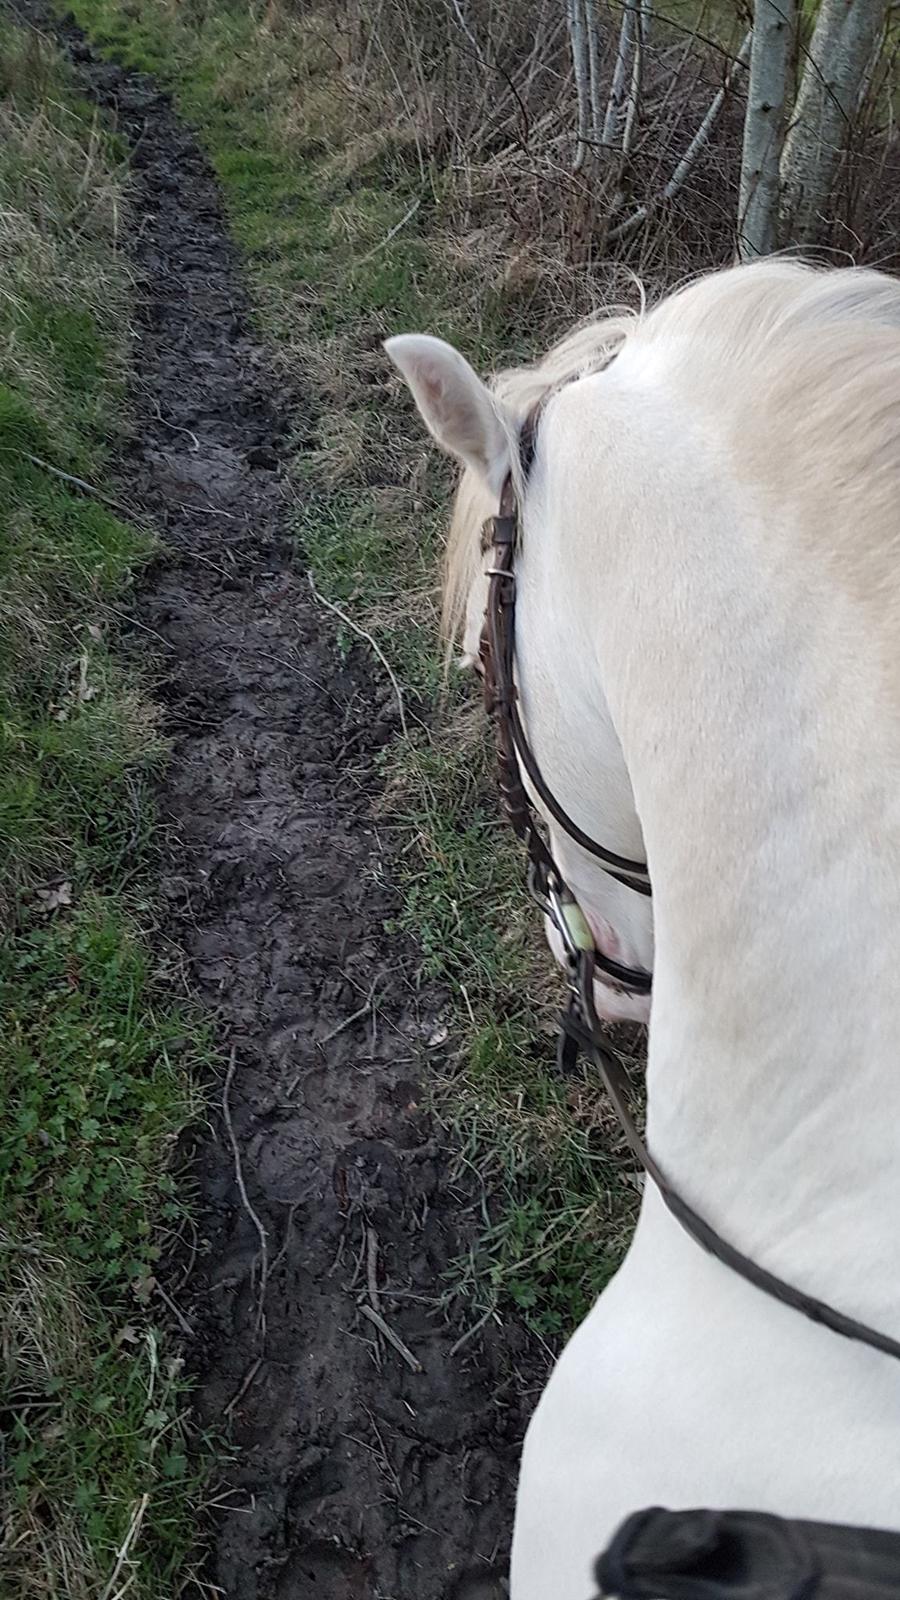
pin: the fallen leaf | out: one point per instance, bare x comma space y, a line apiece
58, 894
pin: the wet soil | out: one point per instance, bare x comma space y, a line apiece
356, 1471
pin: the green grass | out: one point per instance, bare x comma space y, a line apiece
317, 190
96, 1064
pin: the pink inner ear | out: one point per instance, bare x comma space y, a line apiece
433, 385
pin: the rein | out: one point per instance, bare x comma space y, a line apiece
581, 1031
726, 1555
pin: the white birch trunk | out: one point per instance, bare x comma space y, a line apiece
578, 42
840, 51
641, 35
774, 24
592, 26
620, 72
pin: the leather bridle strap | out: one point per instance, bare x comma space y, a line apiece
498, 649
582, 1028
500, 695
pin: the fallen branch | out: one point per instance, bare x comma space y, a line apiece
239, 1179
373, 643
80, 484
393, 1338
348, 1021
471, 1332
372, 1269
252, 1370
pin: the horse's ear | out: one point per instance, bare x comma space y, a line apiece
458, 409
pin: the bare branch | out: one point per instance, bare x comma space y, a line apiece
695, 148
373, 644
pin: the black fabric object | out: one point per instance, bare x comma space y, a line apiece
746, 1555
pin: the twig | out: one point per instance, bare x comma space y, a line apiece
135, 622
287, 1235
252, 1370
175, 426
206, 511
372, 1268
179, 1316
471, 1332
134, 1528
279, 661
698, 143
194, 555
330, 606
239, 1178
393, 1338
391, 234
348, 1021
465, 995
460, 17
82, 484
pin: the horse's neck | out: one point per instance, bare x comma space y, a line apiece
763, 750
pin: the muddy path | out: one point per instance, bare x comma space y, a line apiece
353, 1474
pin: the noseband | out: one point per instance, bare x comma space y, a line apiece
581, 1031
514, 753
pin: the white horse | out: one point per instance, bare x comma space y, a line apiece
708, 657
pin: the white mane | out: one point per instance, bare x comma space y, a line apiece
800, 367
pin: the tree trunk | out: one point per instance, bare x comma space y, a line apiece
620, 73
576, 20
774, 22
632, 109
592, 25
840, 51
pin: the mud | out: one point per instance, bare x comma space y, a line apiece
353, 1475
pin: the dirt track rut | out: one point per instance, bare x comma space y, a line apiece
353, 1475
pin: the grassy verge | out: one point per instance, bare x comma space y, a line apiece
94, 1065
349, 233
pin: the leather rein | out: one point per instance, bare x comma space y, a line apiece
581, 1031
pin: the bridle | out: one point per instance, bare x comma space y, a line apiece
514, 753
580, 1030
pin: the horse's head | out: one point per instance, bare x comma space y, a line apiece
565, 713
